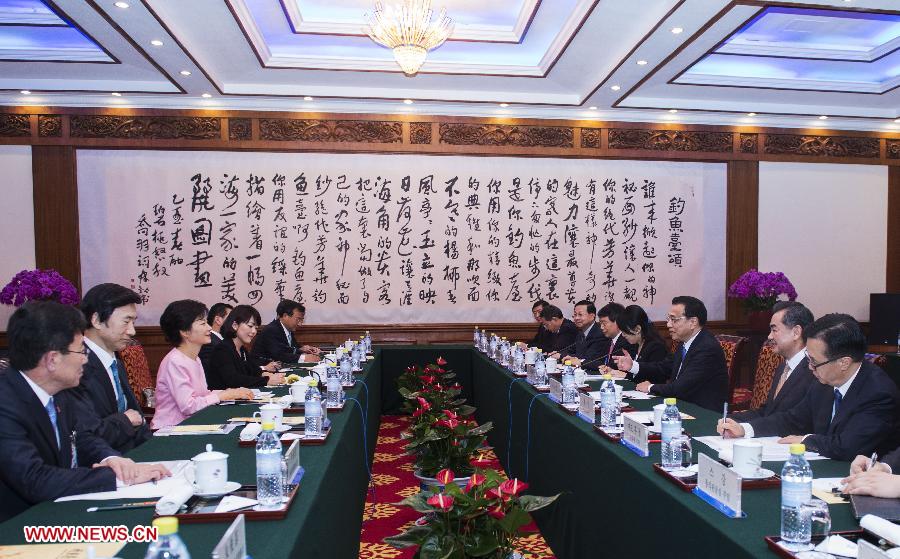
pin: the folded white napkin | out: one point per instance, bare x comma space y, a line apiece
251, 431
881, 528
234, 502
172, 501
837, 545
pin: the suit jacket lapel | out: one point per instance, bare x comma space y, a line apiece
797, 373
848, 402
104, 379
33, 403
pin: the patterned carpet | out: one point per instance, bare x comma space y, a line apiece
393, 477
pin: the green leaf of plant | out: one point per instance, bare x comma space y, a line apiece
481, 429
480, 544
533, 502
514, 519
413, 536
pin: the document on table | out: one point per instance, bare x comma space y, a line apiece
822, 488
58, 550
636, 395
773, 451
180, 430
147, 490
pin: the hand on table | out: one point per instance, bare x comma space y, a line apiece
876, 483
623, 362
575, 362
236, 394
791, 439
604, 370
274, 379
644, 387
860, 464
130, 473
311, 350
272, 366
134, 417
730, 429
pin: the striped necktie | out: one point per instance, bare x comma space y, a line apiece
117, 387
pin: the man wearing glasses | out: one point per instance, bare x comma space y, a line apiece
276, 341
47, 452
696, 372
853, 408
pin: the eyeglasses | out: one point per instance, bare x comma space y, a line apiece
85, 350
813, 365
673, 319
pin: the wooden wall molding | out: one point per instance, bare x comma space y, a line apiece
893, 231
56, 241
280, 131
741, 228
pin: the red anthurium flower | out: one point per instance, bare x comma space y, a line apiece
440, 371
450, 414
441, 361
497, 512
445, 476
513, 486
449, 423
475, 480
479, 462
495, 493
418, 412
456, 386
423, 403
441, 501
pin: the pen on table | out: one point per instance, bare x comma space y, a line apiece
724, 417
137, 505
872, 460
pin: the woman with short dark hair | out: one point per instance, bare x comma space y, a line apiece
181, 389
639, 331
229, 366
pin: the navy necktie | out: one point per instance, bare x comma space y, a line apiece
837, 402
117, 388
51, 411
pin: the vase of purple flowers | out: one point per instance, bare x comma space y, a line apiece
38, 285
758, 291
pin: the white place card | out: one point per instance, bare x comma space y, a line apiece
586, 407
867, 550
635, 437
292, 459
555, 390
719, 486
233, 544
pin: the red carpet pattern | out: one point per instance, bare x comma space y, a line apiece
392, 475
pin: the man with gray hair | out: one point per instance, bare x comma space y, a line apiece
793, 377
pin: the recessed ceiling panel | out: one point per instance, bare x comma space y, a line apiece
27, 12
31, 31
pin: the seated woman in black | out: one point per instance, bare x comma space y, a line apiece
229, 367
639, 331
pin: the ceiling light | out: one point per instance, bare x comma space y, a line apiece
116, 94
896, 121
673, 111
677, 30
616, 87
185, 72
156, 43
751, 114
25, 92
823, 117
206, 96
642, 62
307, 98
408, 101
592, 108
407, 29
504, 105
122, 5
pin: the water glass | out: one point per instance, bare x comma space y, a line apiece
681, 449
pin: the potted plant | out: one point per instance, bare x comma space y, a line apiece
481, 519
758, 291
38, 285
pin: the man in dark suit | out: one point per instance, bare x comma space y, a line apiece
696, 373
563, 331
851, 410
110, 311
590, 343
215, 318
46, 451
276, 341
542, 336
792, 379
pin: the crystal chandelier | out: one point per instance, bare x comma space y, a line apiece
406, 28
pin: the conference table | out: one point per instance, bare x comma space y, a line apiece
612, 503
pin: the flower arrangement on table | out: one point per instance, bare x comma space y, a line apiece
38, 285
760, 290
442, 434
482, 519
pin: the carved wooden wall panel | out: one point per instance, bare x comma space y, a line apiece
822, 146
893, 149
749, 143
420, 133
49, 126
303, 130
13, 126
671, 140
240, 129
145, 127
506, 135
590, 138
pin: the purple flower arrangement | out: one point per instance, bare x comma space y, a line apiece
38, 285
760, 290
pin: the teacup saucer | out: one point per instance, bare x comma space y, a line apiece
761, 473
282, 429
230, 487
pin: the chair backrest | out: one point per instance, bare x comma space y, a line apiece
138, 369
878, 359
766, 364
730, 345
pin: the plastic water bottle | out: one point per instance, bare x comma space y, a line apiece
796, 489
484, 341
268, 468
346, 370
368, 340
476, 338
356, 356
505, 354
609, 407
493, 346
569, 392
671, 427
167, 545
518, 360
334, 392
312, 411
540, 371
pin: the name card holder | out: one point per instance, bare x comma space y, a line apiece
719, 486
292, 460
870, 551
555, 390
233, 544
586, 407
635, 437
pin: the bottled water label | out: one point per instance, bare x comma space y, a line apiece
268, 462
670, 429
795, 493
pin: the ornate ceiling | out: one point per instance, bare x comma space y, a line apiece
693, 61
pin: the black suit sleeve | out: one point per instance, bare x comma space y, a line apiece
272, 345
231, 370
892, 459
702, 372
860, 433
656, 372
116, 429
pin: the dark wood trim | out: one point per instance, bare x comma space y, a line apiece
71, 23
56, 242
892, 283
741, 228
